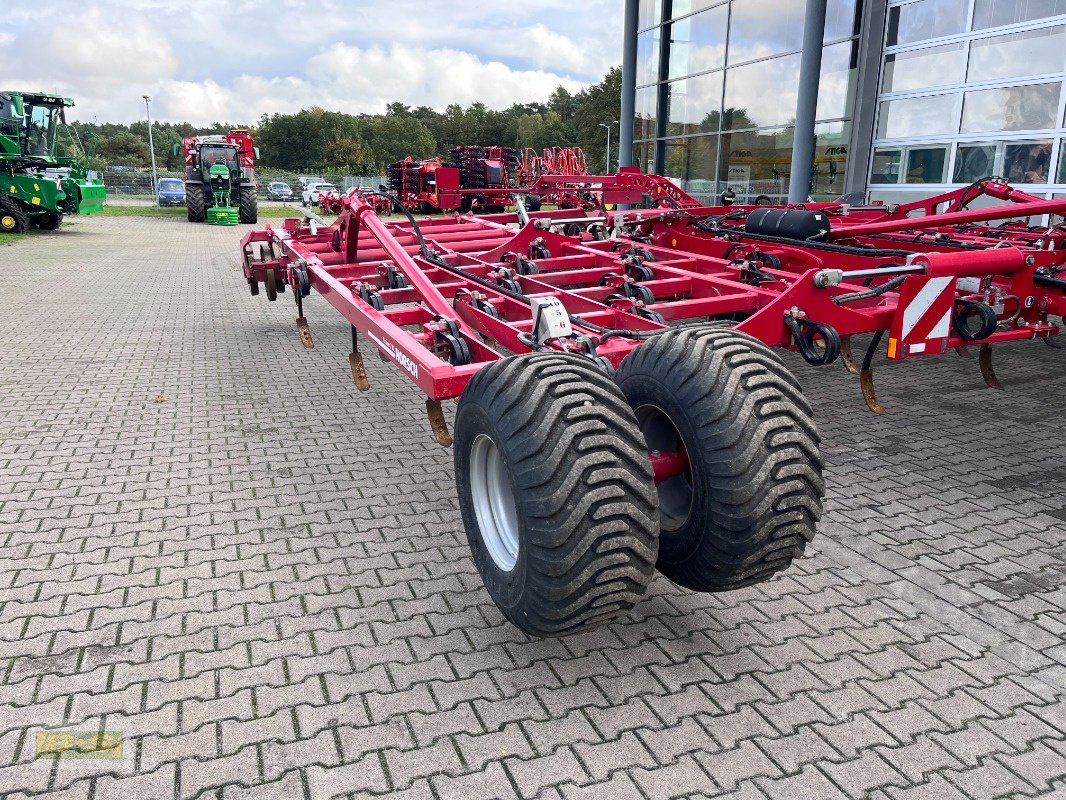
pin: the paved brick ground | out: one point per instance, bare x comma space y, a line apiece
211, 543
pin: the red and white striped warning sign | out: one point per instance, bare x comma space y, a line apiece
922, 322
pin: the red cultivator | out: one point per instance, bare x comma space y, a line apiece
621, 408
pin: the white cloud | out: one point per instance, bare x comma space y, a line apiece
205, 61
100, 51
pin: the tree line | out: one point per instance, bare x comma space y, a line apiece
316, 139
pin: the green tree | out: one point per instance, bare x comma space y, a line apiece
544, 130
598, 104
125, 149
345, 154
562, 103
391, 138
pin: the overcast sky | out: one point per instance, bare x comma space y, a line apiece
233, 60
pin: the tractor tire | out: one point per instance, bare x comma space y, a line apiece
195, 209
748, 503
13, 217
49, 221
248, 212
556, 492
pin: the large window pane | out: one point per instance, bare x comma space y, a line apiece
762, 94
992, 13
698, 42
644, 124
1062, 164
682, 7
917, 116
1016, 55
835, 94
926, 164
886, 165
975, 161
677, 155
648, 57
927, 19
839, 19
700, 175
757, 163
648, 13
1018, 108
695, 104
760, 28
644, 156
1027, 162
830, 158
923, 69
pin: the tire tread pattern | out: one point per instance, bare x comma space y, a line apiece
194, 202
248, 212
584, 484
757, 429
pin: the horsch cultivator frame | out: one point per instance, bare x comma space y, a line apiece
621, 408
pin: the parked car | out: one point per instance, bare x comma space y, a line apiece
311, 193
171, 192
307, 181
279, 190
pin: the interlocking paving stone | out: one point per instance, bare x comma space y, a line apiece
262, 580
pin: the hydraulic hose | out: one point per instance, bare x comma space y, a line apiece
877, 291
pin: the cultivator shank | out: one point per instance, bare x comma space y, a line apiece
577, 341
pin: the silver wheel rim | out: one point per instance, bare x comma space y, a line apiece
675, 494
494, 504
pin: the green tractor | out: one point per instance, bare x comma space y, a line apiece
220, 174
43, 167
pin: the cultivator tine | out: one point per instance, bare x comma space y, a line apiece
963, 352
987, 371
305, 333
1050, 342
438, 424
866, 376
846, 358
355, 361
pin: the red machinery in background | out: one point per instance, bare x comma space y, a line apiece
564, 161
621, 407
331, 202
475, 179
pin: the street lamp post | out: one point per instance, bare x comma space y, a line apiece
151, 148
608, 127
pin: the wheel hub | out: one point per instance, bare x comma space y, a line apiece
675, 493
7, 222
494, 503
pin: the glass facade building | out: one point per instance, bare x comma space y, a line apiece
915, 96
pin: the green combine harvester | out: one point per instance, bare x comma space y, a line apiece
44, 171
